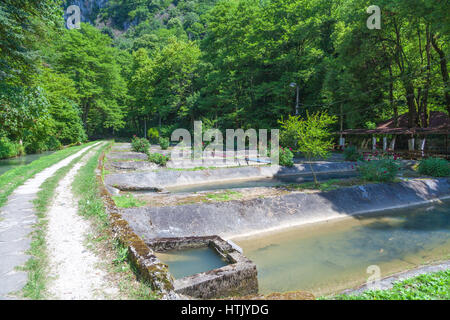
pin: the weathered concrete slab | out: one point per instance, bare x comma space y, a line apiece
234, 218
168, 178
238, 278
127, 156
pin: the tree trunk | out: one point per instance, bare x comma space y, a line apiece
444, 72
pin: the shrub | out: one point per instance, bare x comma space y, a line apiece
153, 135
434, 167
9, 149
286, 157
164, 143
35, 146
351, 154
53, 143
140, 145
383, 170
158, 158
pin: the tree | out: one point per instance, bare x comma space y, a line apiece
87, 57
312, 135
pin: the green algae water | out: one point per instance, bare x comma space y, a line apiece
12, 163
183, 263
326, 258
265, 182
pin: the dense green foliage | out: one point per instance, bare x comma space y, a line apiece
286, 157
9, 149
140, 145
381, 170
164, 143
434, 167
230, 63
158, 158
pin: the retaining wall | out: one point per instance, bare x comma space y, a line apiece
235, 218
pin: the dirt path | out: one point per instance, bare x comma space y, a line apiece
74, 270
17, 218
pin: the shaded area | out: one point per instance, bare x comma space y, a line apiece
267, 182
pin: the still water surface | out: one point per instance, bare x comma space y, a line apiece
328, 257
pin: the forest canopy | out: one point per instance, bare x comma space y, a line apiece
136, 65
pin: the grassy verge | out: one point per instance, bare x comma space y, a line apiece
13, 178
431, 286
90, 206
36, 266
128, 201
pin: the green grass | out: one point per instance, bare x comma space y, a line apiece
432, 286
90, 205
13, 178
327, 185
226, 196
128, 201
36, 266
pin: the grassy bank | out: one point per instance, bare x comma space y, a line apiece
90, 205
36, 266
13, 178
432, 286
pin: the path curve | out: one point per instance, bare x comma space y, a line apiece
17, 219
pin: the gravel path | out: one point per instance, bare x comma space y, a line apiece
74, 270
17, 218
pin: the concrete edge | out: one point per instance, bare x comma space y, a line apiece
140, 256
388, 282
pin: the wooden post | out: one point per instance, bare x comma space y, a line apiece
411, 144
374, 143
384, 143
393, 143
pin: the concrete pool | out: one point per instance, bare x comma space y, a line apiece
326, 258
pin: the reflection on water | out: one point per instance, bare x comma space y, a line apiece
265, 182
188, 262
9, 164
328, 257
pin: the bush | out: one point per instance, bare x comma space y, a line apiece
9, 149
53, 143
153, 135
286, 157
35, 146
351, 154
383, 170
140, 145
434, 167
158, 158
164, 143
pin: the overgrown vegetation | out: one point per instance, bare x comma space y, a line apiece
158, 158
164, 64
286, 157
432, 286
434, 167
128, 201
140, 145
164, 143
311, 135
381, 170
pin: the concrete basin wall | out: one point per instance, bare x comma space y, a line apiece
238, 218
158, 180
